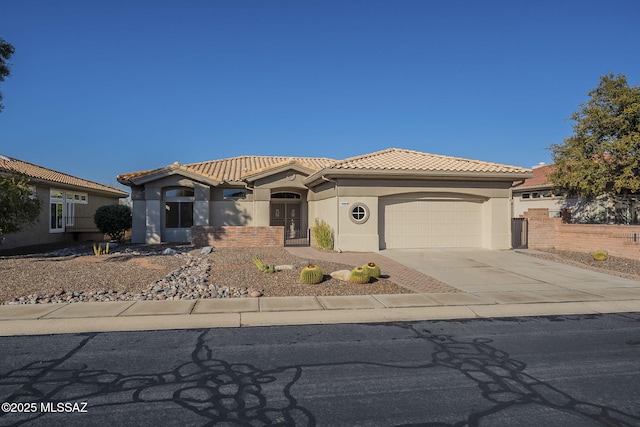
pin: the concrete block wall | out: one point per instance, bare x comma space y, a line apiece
618, 240
237, 236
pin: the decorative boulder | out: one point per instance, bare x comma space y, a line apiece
206, 250
343, 275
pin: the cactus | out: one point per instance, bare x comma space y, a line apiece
270, 268
359, 275
311, 274
600, 255
372, 269
258, 263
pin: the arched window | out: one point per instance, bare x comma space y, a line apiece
285, 195
178, 205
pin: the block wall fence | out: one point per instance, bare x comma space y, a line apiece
546, 233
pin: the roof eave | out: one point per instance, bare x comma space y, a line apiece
159, 174
277, 169
324, 174
62, 185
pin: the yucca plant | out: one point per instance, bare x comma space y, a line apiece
311, 274
372, 269
359, 275
100, 249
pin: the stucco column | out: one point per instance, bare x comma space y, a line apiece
153, 215
139, 213
201, 204
261, 206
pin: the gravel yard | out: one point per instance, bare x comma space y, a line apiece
622, 267
143, 272
133, 272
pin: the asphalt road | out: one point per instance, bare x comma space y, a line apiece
545, 371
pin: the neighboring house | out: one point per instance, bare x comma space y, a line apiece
394, 198
68, 205
537, 192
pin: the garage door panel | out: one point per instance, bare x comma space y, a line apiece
432, 223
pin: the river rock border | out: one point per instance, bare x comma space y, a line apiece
190, 281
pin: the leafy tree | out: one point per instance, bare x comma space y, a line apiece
602, 157
113, 220
18, 206
6, 50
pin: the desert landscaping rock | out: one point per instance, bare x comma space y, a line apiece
142, 272
343, 275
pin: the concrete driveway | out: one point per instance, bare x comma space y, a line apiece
513, 275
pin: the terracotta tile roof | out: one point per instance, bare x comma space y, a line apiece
409, 160
41, 173
539, 179
235, 168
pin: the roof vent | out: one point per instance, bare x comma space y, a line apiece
5, 158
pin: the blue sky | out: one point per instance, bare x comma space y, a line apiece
100, 88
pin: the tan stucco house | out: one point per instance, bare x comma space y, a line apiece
394, 198
68, 205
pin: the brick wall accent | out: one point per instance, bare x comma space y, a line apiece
237, 236
618, 240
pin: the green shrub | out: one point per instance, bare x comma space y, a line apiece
323, 234
311, 275
359, 275
113, 220
600, 255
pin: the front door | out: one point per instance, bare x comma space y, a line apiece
287, 215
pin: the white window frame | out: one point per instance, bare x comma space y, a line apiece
56, 217
65, 217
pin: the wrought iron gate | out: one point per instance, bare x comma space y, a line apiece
294, 237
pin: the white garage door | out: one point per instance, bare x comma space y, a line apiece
431, 224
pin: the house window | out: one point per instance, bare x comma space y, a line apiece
526, 195
359, 213
178, 207
235, 194
73, 199
285, 195
56, 211
62, 208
